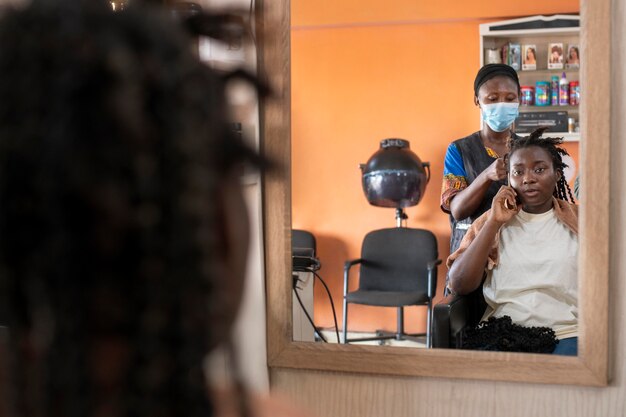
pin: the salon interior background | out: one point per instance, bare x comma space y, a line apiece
362, 72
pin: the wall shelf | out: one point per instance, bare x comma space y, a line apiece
539, 31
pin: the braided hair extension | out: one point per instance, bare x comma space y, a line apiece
501, 334
550, 144
113, 144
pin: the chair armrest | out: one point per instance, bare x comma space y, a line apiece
349, 264
432, 277
432, 264
346, 272
450, 316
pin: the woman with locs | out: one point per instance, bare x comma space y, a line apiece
123, 226
523, 253
474, 168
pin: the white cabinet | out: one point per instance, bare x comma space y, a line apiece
543, 32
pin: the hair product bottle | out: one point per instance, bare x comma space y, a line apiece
563, 91
554, 90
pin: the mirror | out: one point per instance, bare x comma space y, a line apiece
589, 367
356, 84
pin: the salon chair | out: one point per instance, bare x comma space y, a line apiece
454, 314
303, 250
398, 268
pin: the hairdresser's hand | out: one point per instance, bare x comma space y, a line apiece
496, 171
503, 206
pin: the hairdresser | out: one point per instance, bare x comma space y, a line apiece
474, 167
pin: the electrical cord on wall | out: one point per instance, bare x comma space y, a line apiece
295, 290
332, 304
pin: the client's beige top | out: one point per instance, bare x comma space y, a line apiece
535, 280
563, 214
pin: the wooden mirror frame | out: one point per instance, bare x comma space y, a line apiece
590, 367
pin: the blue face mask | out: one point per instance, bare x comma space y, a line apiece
500, 116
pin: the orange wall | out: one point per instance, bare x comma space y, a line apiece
346, 12
362, 72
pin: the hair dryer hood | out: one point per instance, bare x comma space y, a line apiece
394, 176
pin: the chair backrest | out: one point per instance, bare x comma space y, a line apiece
396, 259
303, 239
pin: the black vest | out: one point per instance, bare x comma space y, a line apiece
475, 160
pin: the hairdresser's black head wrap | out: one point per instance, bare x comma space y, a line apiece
490, 71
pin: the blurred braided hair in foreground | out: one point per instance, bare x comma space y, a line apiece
551, 145
114, 151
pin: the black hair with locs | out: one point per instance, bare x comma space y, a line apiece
114, 143
551, 145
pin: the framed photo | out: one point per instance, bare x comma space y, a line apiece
555, 56
515, 56
529, 57
573, 57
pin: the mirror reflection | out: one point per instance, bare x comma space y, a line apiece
356, 83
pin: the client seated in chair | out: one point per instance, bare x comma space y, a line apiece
525, 248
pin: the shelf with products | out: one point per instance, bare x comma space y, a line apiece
531, 77
550, 39
569, 109
567, 137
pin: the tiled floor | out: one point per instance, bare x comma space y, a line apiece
331, 336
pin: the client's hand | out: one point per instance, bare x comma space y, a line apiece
504, 206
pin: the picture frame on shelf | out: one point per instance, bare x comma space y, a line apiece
555, 55
515, 56
530, 57
573, 56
